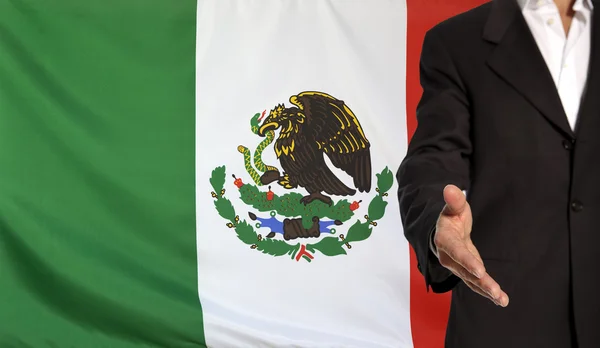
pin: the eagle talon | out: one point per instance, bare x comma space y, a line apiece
284, 181
316, 196
269, 176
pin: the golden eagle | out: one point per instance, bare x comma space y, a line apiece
317, 125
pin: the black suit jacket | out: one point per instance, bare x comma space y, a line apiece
490, 121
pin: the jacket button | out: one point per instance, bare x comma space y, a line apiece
576, 206
568, 144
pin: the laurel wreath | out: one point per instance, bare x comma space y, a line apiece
328, 246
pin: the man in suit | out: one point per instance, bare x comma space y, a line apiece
510, 116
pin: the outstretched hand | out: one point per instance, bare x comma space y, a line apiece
456, 251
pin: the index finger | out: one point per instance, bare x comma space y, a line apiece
491, 287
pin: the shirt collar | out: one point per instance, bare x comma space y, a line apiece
535, 4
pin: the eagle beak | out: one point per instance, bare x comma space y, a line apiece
267, 127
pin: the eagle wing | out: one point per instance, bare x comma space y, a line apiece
336, 131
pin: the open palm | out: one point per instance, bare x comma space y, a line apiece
456, 251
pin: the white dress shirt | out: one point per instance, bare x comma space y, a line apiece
567, 56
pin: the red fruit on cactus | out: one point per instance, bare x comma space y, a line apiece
355, 205
237, 182
270, 194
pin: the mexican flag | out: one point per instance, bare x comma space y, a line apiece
210, 173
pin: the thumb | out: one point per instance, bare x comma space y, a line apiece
455, 199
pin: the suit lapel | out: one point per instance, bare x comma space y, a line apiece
517, 60
590, 104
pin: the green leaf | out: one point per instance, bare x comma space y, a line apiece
377, 208
328, 246
246, 233
385, 180
357, 232
225, 209
294, 250
275, 247
217, 179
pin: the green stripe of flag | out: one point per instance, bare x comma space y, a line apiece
97, 201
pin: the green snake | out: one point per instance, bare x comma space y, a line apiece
258, 163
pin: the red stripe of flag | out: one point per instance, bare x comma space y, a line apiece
428, 311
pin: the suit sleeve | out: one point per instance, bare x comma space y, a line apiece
438, 154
